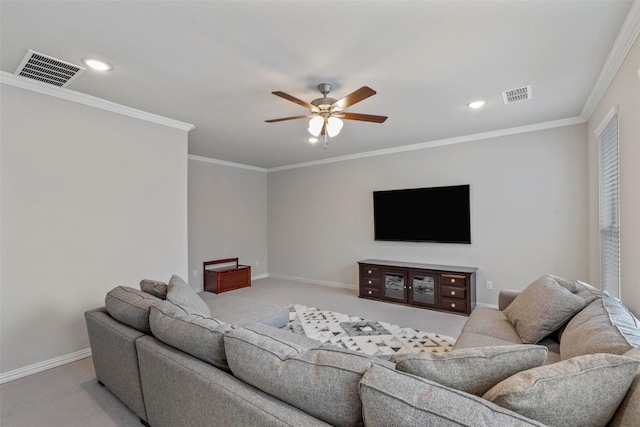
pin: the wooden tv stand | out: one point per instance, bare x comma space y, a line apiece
227, 277
436, 287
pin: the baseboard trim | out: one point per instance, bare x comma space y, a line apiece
314, 281
258, 277
44, 366
481, 304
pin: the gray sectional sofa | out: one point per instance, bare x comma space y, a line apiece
558, 353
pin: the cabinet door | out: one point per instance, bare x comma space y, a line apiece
394, 285
423, 288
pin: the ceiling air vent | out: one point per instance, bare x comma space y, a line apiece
47, 69
516, 95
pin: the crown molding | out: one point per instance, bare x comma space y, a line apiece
626, 37
225, 163
91, 101
440, 142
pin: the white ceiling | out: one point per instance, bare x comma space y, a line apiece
215, 63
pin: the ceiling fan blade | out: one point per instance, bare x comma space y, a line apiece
362, 117
293, 99
363, 93
289, 118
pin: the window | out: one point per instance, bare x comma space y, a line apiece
609, 202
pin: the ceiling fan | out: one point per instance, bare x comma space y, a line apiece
326, 113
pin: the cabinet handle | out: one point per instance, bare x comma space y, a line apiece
404, 287
453, 280
453, 305
369, 281
369, 292
369, 271
453, 292
410, 288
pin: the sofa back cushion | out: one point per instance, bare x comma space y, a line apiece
180, 293
193, 333
583, 391
130, 306
604, 326
393, 398
628, 413
542, 308
322, 381
473, 370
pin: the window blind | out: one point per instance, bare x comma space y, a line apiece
609, 195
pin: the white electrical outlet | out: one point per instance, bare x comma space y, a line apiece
489, 284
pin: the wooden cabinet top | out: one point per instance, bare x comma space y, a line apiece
452, 268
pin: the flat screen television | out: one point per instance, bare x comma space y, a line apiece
435, 214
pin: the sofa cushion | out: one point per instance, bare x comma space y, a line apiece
491, 323
474, 370
180, 293
130, 306
393, 398
628, 413
552, 394
322, 381
154, 287
541, 308
197, 335
604, 326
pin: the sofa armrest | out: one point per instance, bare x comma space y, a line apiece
505, 298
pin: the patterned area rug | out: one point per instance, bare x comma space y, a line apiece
367, 336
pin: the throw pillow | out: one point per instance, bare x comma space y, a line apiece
581, 289
197, 335
130, 306
393, 398
178, 292
604, 326
154, 287
583, 391
541, 308
474, 370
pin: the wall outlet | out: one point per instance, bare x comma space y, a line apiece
195, 273
257, 263
489, 284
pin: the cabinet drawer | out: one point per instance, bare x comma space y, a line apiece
367, 271
453, 292
370, 292
369, 282
453, 305
453, 279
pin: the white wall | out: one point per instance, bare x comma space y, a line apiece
624, 92
227, 217
528, 202
89, 200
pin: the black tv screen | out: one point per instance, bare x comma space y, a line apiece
435, 214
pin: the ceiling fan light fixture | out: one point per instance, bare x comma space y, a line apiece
334, 126
315, 125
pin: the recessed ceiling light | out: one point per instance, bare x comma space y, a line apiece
312, 140
97, 64
476, 104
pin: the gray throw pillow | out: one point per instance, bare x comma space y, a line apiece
130, 306
321, 381
178, 292
197, 335
393, 398
474, 370
542, 308
604, 326
583, 391
581, 289
154, 287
